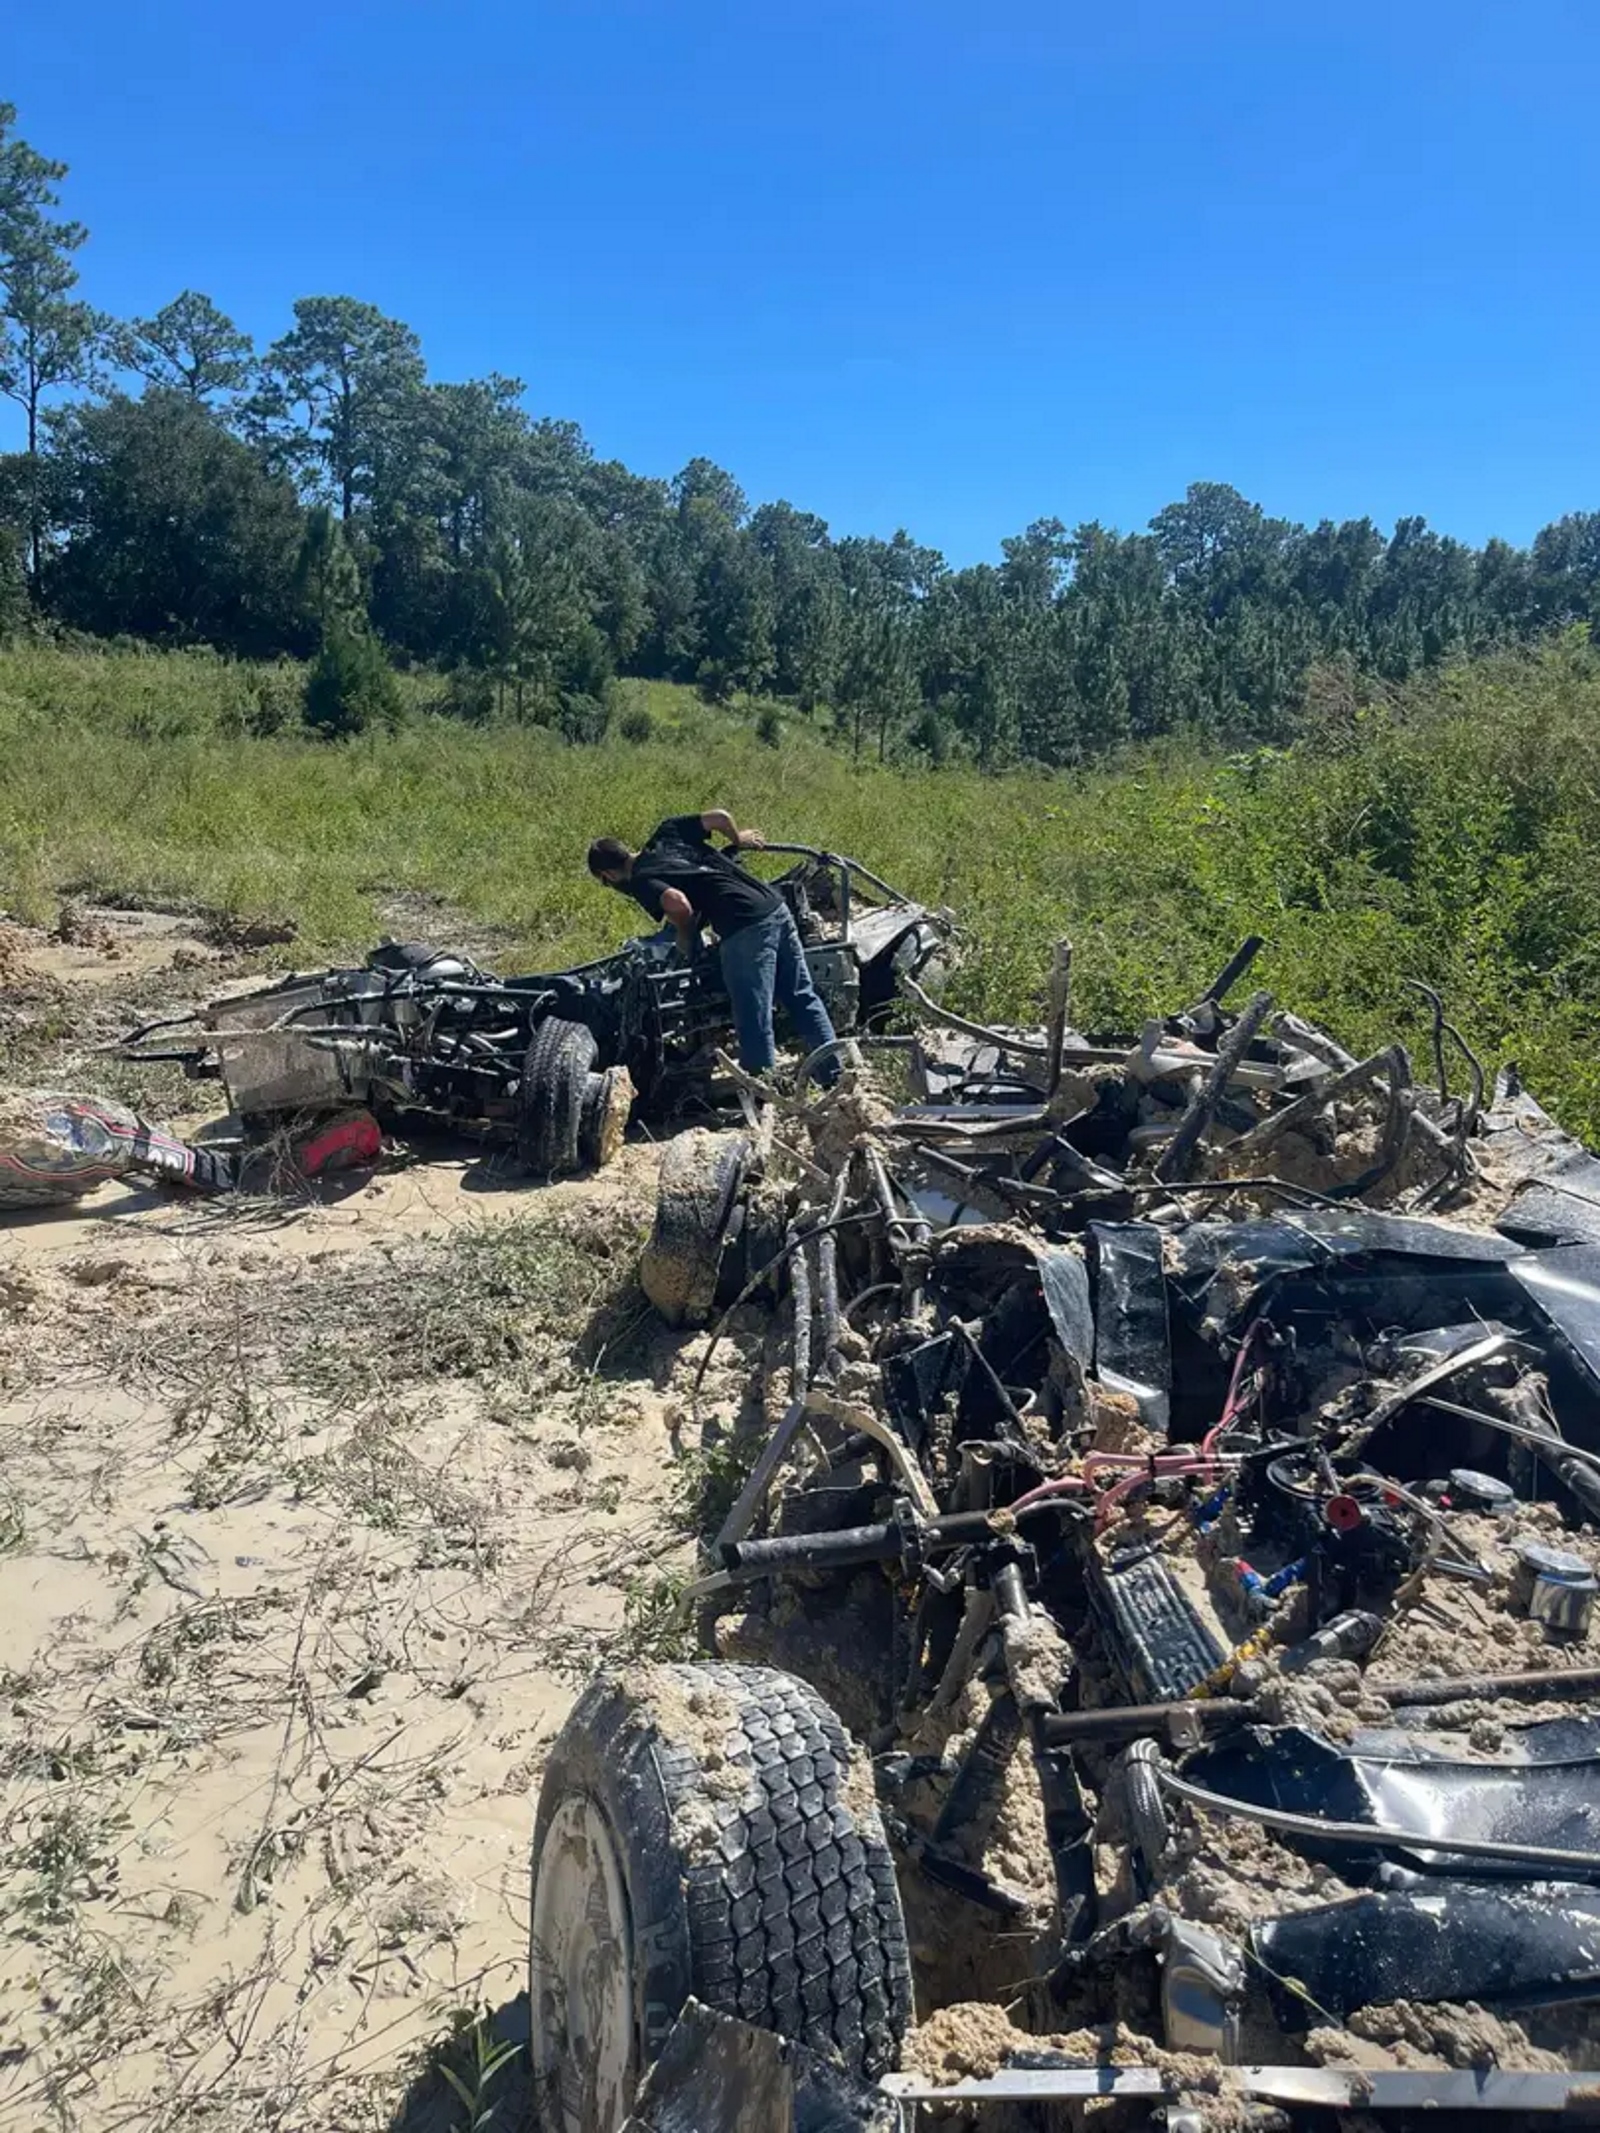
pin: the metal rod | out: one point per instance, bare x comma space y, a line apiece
1558, 1683
841, 1045
1060, 1008
936, 1013
756, 1280
1277, 1123
1142, 1721
1234, 969
1483, 1351
1396, 1127
1180, 1150
1306, 1037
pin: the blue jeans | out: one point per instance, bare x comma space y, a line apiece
762, 963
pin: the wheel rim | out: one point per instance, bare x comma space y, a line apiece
581, 1974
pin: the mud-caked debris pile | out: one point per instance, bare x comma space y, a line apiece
1186, 1475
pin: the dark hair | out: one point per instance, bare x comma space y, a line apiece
609, 855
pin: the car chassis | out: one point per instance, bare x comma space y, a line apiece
556, 1063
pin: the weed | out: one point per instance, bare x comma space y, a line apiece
480, 2058
61, 1855
706, 1483
653, 1621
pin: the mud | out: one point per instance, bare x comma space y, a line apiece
1425, 2037
300, 1575
699, 1716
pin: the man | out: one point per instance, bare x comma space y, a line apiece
681, 877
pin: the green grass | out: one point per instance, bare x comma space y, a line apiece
1452, 835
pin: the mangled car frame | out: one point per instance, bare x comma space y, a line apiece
1159, 1600
553, 1064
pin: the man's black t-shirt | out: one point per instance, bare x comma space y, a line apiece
680, 855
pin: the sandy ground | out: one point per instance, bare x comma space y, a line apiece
293, 1597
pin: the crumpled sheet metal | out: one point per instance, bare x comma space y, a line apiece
1549, 1804
1223, 1270
1461, 1940
1563, 1286
1132, 1346
1557, 1181
718, 2075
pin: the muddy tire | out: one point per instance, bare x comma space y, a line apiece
706, 1831
701, 1177
555, 1078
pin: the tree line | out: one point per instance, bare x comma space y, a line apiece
325, 498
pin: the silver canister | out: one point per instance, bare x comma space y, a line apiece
1556, 1587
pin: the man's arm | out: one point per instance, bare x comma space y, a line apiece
677, 910
721, 824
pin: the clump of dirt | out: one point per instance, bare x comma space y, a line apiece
694, 1713
14, 963
77, 927
1428, 2036
849, 1114
1117, 1426
246, 936
967, 2042
974, 2039
1228, 1873
1037, 1659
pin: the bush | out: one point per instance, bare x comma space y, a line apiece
930, 735
637, 724
469, 695
581, 717
350, 688
769, 726
277, 695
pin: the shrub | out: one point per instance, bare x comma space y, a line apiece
468, 694
350, 688
277, 695
582, 717
769, 726
636, 724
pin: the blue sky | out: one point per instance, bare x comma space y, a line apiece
905, 262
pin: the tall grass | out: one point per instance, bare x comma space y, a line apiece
1452, 834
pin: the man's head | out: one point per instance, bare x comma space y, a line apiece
610, 860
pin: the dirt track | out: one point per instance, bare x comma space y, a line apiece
311, 1524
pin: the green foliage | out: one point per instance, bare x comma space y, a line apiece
190, 347
350, 688
1445, 831
174, 530
470, 2065
48, 337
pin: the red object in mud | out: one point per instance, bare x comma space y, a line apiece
1343, 1513
351, 1143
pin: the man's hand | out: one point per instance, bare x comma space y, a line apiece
721, 824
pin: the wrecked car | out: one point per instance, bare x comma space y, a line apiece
554, 1065
1160, 1599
